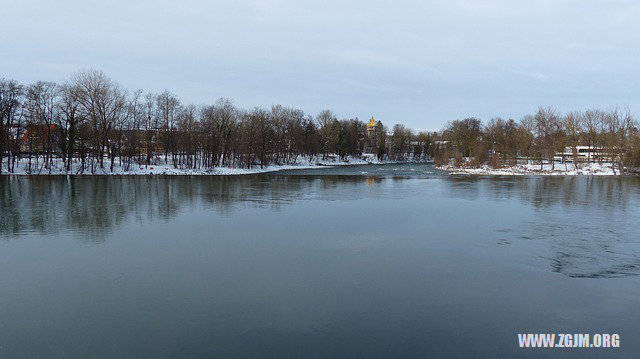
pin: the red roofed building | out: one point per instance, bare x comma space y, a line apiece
40, 138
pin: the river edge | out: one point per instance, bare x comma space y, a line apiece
169, 170
586, 169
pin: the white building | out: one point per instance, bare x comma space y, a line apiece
586, 153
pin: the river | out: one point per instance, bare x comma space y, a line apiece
359, 261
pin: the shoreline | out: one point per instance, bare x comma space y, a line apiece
169, 170
586, 169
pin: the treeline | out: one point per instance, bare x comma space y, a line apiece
546, 137
91, 122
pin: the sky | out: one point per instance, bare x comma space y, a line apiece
420, 63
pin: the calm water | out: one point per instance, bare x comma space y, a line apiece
365, 261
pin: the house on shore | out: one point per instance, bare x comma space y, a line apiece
586, 154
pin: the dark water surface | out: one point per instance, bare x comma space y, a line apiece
365, 261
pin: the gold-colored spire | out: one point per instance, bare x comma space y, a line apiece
372, 122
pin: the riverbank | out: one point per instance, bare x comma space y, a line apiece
560, 169
159, 167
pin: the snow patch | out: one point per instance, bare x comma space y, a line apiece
159, 167
584, 169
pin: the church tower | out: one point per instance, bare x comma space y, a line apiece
371, 145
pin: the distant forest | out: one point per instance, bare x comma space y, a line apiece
94, 122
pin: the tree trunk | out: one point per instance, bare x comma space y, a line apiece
70, 140
1, 142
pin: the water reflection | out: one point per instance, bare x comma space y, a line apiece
591, 247
588, 224
95, 205
541, 192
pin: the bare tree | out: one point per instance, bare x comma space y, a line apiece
69, 119
572, 123
42, 112
168, 108
548, 134
103, 103
325, 119
10, 100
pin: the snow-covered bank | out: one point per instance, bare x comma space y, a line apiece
561, 169
160, 168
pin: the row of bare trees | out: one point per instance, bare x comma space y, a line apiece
547, 137
90, 122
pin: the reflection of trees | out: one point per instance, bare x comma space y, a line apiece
547, 191
585, 220
95, 205
92, 205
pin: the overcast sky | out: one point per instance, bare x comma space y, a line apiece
421, 63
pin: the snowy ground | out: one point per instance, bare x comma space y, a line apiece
589, 169
161, 168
